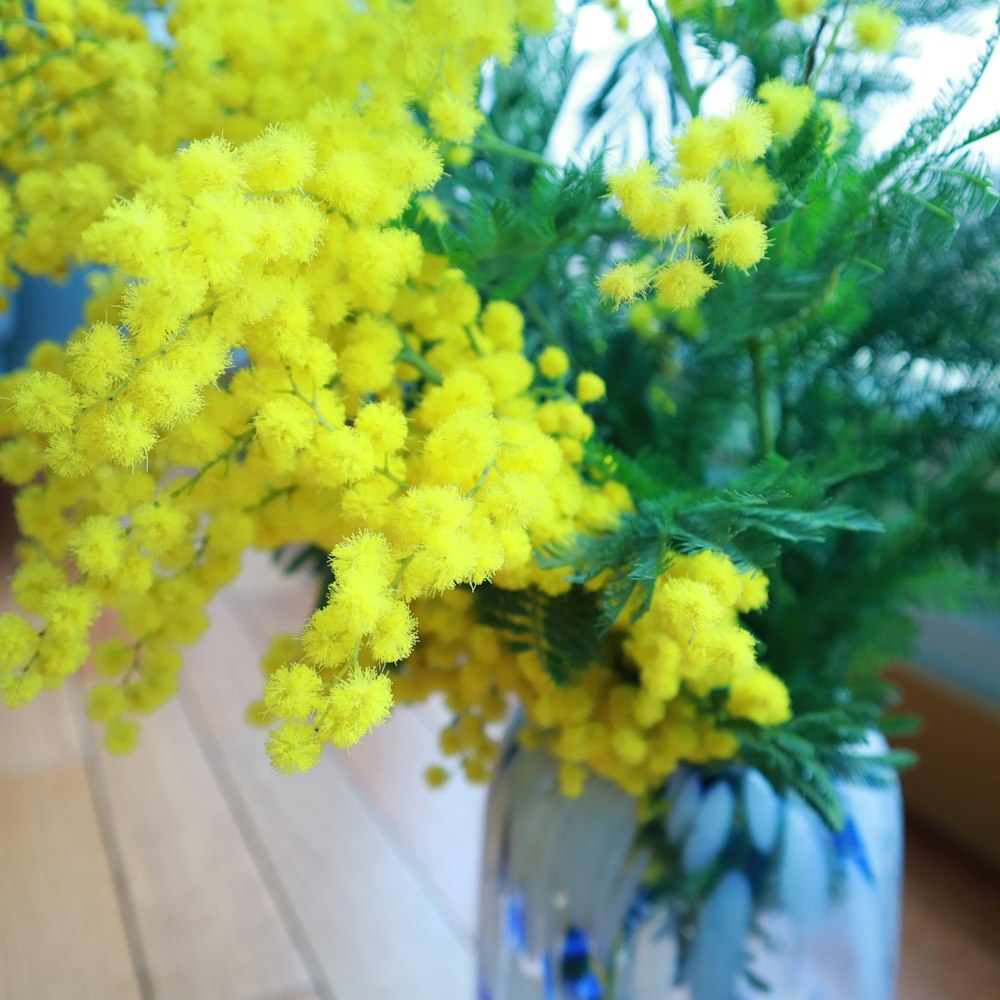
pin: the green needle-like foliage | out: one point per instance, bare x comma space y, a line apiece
831, 417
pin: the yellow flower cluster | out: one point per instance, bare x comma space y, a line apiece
718, 192
632, 723
691, 208
394, 425
273, 359
618, 14
92, 97
796, 10
282, 363
876, 27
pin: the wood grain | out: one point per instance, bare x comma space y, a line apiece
365, 913
940, 961
191, 877
38, 737
61, 933
441, 828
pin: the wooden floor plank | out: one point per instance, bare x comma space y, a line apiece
39, 736
376, 930
61, 934
268, 600
209, 928
954, 883
443, 827
940, 961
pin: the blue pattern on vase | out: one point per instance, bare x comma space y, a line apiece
685, 808
716, 959
577, 977
804, 875
710, 830
762, 808
849, 846
728, 890
548, 978
516, 933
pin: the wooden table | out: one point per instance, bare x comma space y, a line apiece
191, 871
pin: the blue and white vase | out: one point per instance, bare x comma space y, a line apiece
729, 892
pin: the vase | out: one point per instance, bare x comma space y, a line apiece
720, 889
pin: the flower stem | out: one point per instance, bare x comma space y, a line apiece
410, 356
765, 426
490, 142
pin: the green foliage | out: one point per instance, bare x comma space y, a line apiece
833, 417
770, 504
810, 752
799, 161
559, 629
503, 245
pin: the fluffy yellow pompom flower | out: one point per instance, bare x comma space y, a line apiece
20, 461
590, 387
553, 362
366, 556
625, 282
503, 324
436, 776
121, 435
635, 186
644, 202
453, 118
207, 164
99, 546
749, 190
285, 425
121, 736
875, 27
18, 690
788, 105
17, 641
385, 425
696, 207
395, 634
293, 691
99, 358
357, 704
740, 242
697, 149
461, 447
746, 133
690, 605
796, 10
278, 160
106, 702
753, 594
159, 527
293, 747
45, 402
683, 284
760, 697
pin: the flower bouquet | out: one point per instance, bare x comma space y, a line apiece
654, 445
